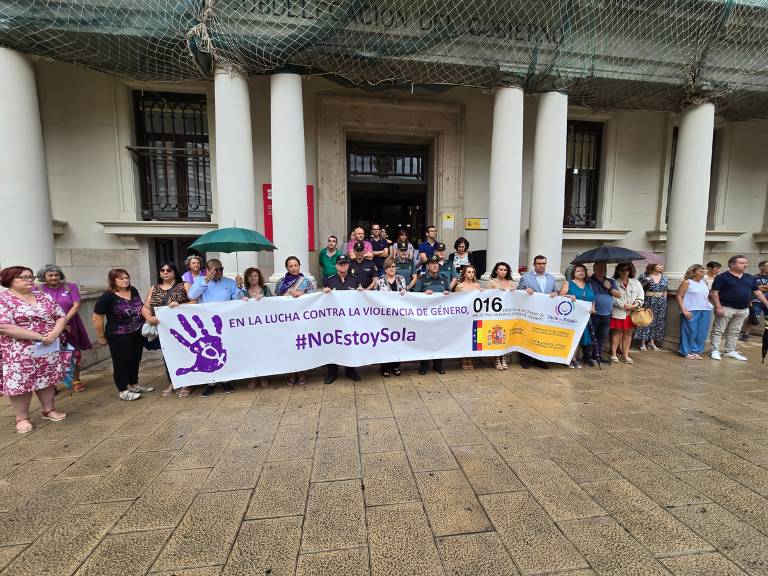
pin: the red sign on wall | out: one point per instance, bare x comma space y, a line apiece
267, 195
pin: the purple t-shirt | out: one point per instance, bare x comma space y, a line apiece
123, 316
65, 295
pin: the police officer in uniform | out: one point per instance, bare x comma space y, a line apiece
429, 283
342, 280
363, 269
446, 269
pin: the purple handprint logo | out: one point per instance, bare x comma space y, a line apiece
208, 349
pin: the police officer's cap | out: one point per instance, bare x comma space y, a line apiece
439, 247
359, 247
402, 245
342, 259
434, 259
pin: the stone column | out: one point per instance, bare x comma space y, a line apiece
689, 197
504, 198
235, 177
545, 235
26, 235
289, 172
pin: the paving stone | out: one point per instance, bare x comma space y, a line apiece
560, 496
124, 554
202, 450
609, 548
379, 435
373, 406
476, 555
401, 543
164, 502
206, 532
450, 503
578, 462
388, 479
335, 517
293, 443
282, 489
63, 547
752, 476
734, 497
352, 562
534, 542
653, 480
645, 520
427, 450
336, 459
734, 539
655, 449
486, 470
239, 467
702, 565
337, 422
207, 571
8, 553
25, 523
458, 430
265, 547
172, 435
144, 424
27, 479
129, 478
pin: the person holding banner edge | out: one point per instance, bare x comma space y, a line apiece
342, 280
429, 283
295, 285
214, 287
537, 280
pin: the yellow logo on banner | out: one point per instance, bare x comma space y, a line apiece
538, 338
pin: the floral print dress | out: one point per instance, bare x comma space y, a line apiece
22, 372
657, 329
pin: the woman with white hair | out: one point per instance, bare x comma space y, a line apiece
67, 295
195, 268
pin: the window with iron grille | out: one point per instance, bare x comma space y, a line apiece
172, 155
369, 161
582, 174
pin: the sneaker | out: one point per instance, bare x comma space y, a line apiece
140, 388
715, 355
208, 391
227, 387
128, 395
744, 337
735, 356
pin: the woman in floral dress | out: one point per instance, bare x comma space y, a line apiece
654, 283
29, 320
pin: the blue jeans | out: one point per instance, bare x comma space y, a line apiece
757, 308
601, 325
693, 332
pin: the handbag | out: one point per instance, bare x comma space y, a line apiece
641, 317
149, 331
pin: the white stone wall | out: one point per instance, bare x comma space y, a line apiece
86, 161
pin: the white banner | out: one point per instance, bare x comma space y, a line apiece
218, 342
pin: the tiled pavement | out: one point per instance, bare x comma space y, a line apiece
656, 468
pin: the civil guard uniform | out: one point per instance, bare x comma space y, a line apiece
438, 283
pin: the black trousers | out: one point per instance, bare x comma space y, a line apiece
436, 364
333, 370
126, 350
602, 327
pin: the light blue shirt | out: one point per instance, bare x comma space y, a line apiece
541, 281
213, 291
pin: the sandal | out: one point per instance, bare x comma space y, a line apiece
499, 365
628, 360
168, 391
396, 371
251, 384
504, 365
54, 415
301, 380
291, 380
184, 392
385, 373
78, 386
23, 429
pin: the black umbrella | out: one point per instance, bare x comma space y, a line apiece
597, 353
765, 342
607, 254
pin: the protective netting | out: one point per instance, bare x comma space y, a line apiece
606, 54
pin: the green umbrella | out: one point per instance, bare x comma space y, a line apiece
232, 240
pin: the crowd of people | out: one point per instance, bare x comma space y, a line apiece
42, 336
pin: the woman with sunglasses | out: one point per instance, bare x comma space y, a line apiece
29, 319
630, 298
168, 291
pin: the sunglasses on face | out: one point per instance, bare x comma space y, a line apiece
220, 269
166, 270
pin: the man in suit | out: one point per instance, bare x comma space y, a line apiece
537, 280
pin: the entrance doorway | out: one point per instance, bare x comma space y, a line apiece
388, 184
